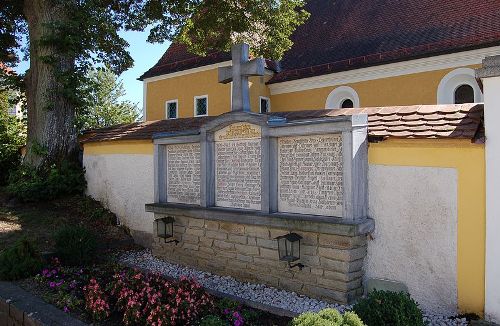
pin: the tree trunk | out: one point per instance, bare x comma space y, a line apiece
51, 132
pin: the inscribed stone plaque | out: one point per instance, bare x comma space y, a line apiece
183, 173
238, 166
310, 175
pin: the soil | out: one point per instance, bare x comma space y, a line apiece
39, 222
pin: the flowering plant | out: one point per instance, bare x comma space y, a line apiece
152, 300
96, 302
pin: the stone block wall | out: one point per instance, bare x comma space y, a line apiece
334, 263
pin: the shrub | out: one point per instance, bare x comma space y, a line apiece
31, 185
389, 308
327, 317
76, 245
11, 139
20, 261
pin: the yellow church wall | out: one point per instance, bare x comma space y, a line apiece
412, 89
119, 147
185, 87
469, 160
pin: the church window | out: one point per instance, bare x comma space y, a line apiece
200, 105
344, 97
265, 104
172, 109
464, 94
459, 86
347, 104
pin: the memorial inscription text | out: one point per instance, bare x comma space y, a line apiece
310, 174
183, 173
238, 166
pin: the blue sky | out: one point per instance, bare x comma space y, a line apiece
145, 55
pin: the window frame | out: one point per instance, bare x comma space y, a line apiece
454, 79
338, 95
176, 101
196, 98
268, 103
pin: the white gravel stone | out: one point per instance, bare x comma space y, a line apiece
260, 293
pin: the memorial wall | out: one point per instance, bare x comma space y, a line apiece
241, 180
311, 168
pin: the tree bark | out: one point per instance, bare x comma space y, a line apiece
51, 132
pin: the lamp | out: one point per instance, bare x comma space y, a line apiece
289, 249
165, 228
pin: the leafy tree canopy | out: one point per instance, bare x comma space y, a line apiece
104, 105
68, 37
89, 30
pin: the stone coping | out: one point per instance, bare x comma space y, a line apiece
307, 223
19, 307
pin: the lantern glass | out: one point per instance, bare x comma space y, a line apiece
289, 247
165, 227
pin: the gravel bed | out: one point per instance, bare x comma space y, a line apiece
261, 293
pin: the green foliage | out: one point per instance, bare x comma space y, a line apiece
103, 104
76, 245
93, 211
12, 137
212, 320
74, 36
389, 308
30, 185
19, 261
327, 317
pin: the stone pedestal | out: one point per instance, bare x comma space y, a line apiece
243, 245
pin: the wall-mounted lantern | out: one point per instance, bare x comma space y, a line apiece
289, 249
165, 228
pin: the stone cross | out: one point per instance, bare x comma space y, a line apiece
238, 73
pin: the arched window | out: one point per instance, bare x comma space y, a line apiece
342, 97
459, 86
464, 94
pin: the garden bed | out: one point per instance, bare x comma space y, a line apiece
111, 294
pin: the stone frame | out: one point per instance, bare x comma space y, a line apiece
355, 161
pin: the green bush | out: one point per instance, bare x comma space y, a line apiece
19, 261
30, 185
327, 317
76, 245
212, 320
389, 308
11, 139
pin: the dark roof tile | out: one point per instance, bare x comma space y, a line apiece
345, 34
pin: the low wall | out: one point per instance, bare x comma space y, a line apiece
415, 240
427, 198
120, 175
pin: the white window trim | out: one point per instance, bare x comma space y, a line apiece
194, 105
268, 101
176, 101
339, 95
453, 80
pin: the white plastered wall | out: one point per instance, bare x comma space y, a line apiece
415, 238
492, 121
124, 184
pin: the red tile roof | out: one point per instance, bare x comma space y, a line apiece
464, 121
345, 34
